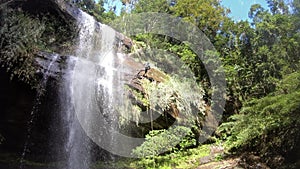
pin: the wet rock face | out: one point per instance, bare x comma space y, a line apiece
52, 64
18, 113
16, 101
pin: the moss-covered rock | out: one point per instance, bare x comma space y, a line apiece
158, 100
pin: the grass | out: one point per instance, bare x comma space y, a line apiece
187, 159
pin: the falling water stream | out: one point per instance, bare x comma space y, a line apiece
91, 88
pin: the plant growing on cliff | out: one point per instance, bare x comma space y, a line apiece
187, 96
20, 41
23, 35
179, 97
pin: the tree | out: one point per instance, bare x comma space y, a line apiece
85, 4
278, 6
269, 125
207, 15
161, 6
97, 9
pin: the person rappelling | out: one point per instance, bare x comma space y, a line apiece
147, 67
145, 70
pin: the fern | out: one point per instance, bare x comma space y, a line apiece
277, 112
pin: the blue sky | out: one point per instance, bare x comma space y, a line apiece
239, 8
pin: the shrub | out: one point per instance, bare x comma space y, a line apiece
20, 41
161, 141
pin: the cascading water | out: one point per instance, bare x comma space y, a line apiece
91, 87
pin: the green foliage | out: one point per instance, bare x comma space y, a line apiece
85, 4
259, 59
20, 41
188, 159
161, 141
151, 44
172, 92
257, 56
161, 6
289, 84
181, 159
274, 118
133, 114
59, 36
278, 6
23, 36
181, 93
97, 10
207, 15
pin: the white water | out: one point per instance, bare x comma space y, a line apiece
91, 89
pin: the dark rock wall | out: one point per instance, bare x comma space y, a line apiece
16, 102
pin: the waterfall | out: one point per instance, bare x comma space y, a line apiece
92, 88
